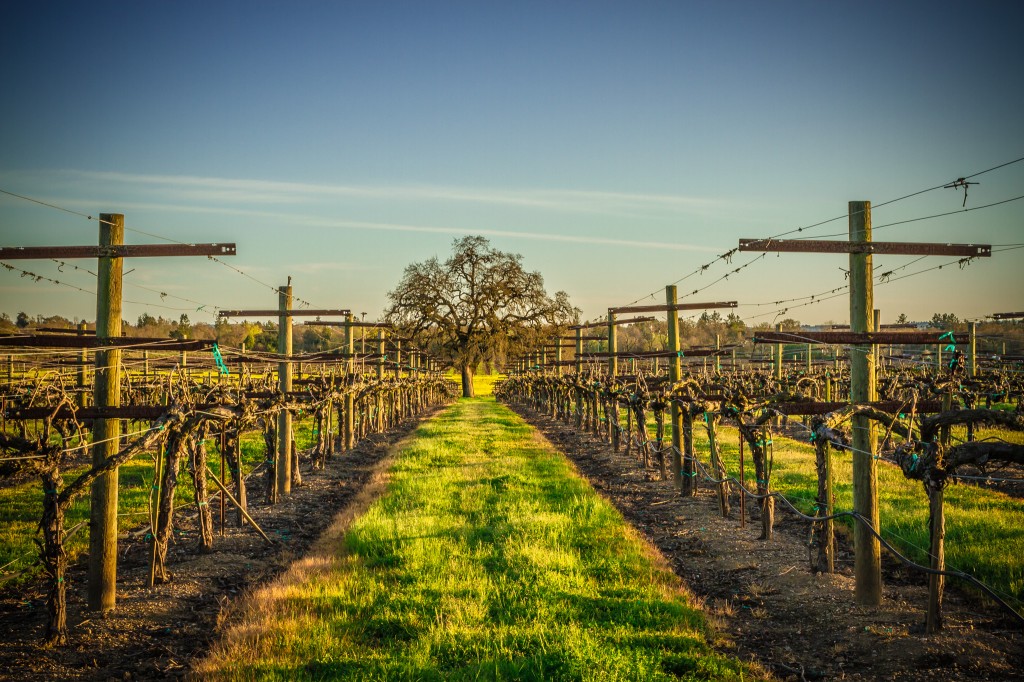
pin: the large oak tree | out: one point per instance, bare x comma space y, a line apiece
479, 305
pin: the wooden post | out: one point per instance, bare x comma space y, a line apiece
674, 374
83, 357
398, 358
284, 374
778, 354
613, 344
810, 350
867, 552
349, 427
938, 359
579, 351
972, 363
558, 356
102, 588
362, 349
380, 360
718, 358
876, 350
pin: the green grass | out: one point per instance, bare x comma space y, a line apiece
486, 558
483, 384
984, 528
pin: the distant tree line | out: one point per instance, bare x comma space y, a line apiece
653, 335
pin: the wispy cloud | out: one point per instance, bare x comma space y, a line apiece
312, 221
236, 190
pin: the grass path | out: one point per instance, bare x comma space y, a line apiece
485, 558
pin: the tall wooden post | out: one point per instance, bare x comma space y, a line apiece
284, 374
380, 352
349, 432
718, 358
102, 588
398, 358
867, 553
613, 345
558, 356
674, 375
972, 363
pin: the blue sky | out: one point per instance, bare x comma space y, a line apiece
616, 146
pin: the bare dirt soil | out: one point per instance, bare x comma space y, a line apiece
157, 634
771, 607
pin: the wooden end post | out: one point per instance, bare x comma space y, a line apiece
284, 374
867, 551
102, 588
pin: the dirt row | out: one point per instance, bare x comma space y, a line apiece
158, 634
768, 604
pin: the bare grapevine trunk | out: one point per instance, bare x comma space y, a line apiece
55, 560
198, 471
270, 445
165, 511
232, 454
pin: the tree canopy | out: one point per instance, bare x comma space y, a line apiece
477, 306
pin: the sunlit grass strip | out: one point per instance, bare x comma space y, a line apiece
486, 558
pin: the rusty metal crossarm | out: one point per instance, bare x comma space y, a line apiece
117, 251
887, 248
279, 313
679, 306
851, 338
68, 341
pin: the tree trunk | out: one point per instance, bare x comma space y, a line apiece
467, 382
